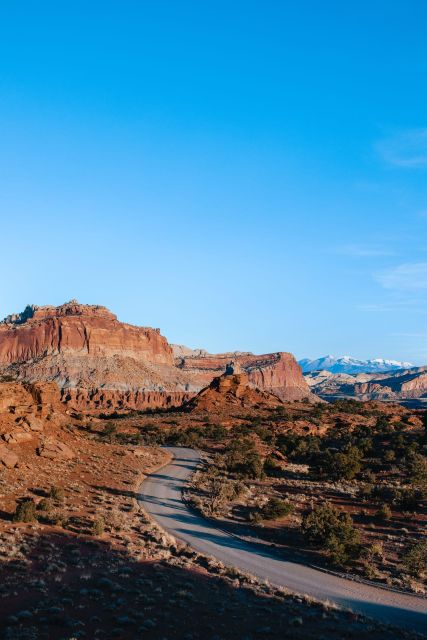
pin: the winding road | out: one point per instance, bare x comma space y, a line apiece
161, 496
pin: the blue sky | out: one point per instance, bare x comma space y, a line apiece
243, 175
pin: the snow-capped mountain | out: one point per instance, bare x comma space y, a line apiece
347, 364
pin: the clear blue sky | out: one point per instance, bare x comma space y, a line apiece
243, 175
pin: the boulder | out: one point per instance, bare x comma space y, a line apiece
7, 457
17, 436
54, 450
34, 424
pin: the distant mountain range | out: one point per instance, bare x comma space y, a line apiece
347, 364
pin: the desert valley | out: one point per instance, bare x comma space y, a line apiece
314, 469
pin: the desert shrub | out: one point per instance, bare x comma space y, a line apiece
242, 430
298, 448
384, 493
282, 412
346, 406
219, 491
271, 468
251, 466
242, 459
215, 432
98, 526
366, 490
416, 465
415, 559
409, 499
383, 424
152, 434
255, 516
25, 511
265, 434
384, 512
109, 432
337, 465
114, 415
113, 519
389, 456
333, 531
129, 439
45, 505
57, 493
276, 508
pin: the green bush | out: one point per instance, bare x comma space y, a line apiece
45, 505
98, 527
415, 559
276, 508
409, 499
337, 465
417, 471
25, 511
243, 459
57, 493
333, 531
384, 512
109, 432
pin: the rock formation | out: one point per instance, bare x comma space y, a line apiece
277, 373
231, 390
25, 412
400, 385
101, 363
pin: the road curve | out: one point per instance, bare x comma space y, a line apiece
161, 496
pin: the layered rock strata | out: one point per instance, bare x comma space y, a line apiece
100, 363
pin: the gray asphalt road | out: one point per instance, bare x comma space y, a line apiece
161, 497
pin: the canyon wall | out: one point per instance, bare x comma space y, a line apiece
276, 373
101, 363
73, 328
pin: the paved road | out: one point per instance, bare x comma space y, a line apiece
161, 497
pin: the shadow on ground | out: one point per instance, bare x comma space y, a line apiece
75, 587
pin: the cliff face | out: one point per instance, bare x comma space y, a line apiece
73, 328
231, 390
277, 373
101, 363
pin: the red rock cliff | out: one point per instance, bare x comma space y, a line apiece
75, 328
101, 363
277, 373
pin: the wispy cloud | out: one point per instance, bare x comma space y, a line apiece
405, 149
410, 276
363, 250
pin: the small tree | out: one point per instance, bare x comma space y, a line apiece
337, 465
415, 560
219, 491
333, 531
417, 470
243, 459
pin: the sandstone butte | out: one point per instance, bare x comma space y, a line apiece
231, 390
100, 363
